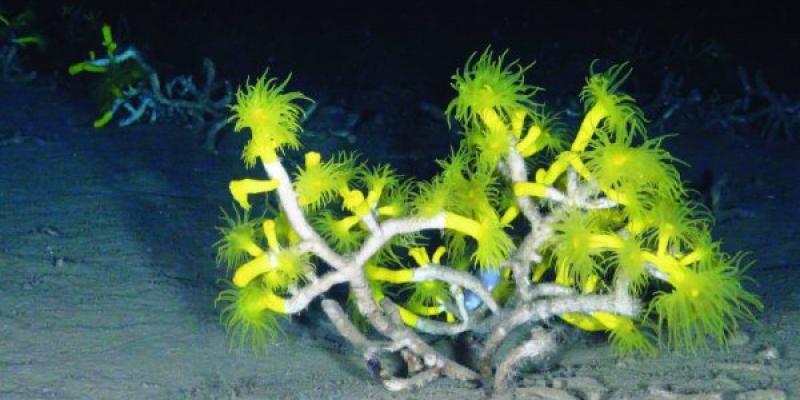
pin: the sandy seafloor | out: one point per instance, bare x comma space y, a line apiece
107, 276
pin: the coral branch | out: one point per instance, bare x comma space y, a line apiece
346, 328
544, 309
458, 278
538, 345
300, 300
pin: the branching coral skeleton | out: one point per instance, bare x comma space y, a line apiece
607, 222
204, 106
16, 35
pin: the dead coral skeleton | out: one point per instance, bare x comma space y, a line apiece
774, 115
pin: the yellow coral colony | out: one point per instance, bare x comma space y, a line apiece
604, 222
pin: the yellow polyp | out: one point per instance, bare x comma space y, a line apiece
437, 254
352, 199
620, 159
526, 147
420, 255
539, 175
664, 234
557, 168
609, 320
539, 271
510, 215
517, 120
493, 121
343, 191
108, 41
266, 152
389, 211
26, 40
252, 249
377, 293
600, 241
620, 198
562, 276
427, 311
463, 224
373, 196
116, 91
580, 168
667, 264
531, 189
312, 159
635, 225
691, 258
583, 322
591, 284
271, 234
346, 223
588, 126
85, 66
103, 120
251, 269
408, 317
376, 273
270, 301
450, 318
292, 237
240, 189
